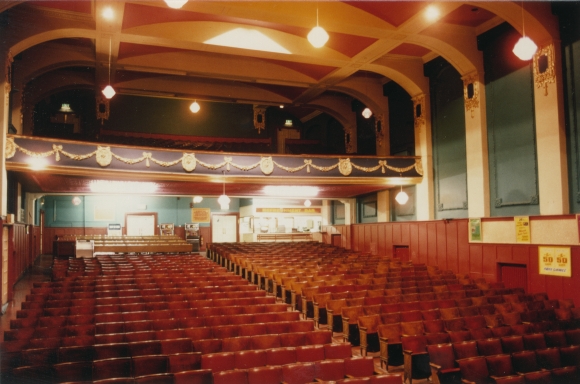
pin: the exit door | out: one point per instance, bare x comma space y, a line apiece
224, 228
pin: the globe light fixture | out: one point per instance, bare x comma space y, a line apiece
402, 197
194, 107
197, 199
108, 91
224, 200
525, 48
307, 203
367, 113
317, 36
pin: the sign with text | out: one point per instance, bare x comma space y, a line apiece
200, 215
555, 261
313, 211
475, 230
522, 229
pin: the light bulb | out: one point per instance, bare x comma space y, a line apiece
307, 203
367, 113
109, 92
402, 197
318, 37
194, 107
224, 202
525, 48
197, 199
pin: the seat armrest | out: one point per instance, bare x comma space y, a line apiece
435, 366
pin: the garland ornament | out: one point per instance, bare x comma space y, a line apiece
188, 162
267, 165
10, 147
345, 166
104, 156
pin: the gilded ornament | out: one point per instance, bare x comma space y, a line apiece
345, 167
267, 165
104, 156
10, 148
188, 162
419, 166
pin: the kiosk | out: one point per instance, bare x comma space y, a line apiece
192, 235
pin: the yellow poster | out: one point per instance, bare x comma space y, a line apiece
200, 215
555, 261
522, 229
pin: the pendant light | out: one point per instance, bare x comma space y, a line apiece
402, 197
108, 91
525, 48
367, 113
224, 200
194, 107
317, 36
307, 203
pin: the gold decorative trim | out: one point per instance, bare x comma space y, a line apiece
259, 118
267, 165
542, 79
380, 128
471, 103
419, 101
188, 162
104, 157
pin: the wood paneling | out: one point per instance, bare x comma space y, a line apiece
445, 243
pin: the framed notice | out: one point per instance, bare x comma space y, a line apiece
475, 230
522, 229
555, 261
200, 215
104, 214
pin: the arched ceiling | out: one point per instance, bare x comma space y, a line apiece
159, 50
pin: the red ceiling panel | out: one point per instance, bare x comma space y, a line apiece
393, 12
410, 50
72, 6
469, 16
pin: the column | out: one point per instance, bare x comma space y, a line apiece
383, 206
550, 131
476, 144
424, 148
5, 76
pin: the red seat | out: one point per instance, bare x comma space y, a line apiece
465, 350
207, 346
217, 362
264, 342
330, 370
230, 377
157, 378
442, 363
250, 359
308, 353
298, 373
359, 366
112, 368
235, 344
180, 362
281, 356
149, 365
73, 371
416, 358
511, 344
500, 365
113, 350
489, 347
524, 362
201, 376
143, 348
173, 346
338, 351
263, 375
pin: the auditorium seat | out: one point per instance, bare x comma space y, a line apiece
229, 377
201, 376
73, 371
298, 373
442, 364
465, 350
262, 375
112, 368
416, 358
180, 362
149, 365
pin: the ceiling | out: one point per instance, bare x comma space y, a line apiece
147, 48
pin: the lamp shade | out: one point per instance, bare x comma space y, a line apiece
307, 203
197, 199
224, 202
402, 197
525, 48
109, 92
194, 107
318, 37
176, 4
367, 113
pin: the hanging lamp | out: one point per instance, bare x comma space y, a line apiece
525, 48
402, 197
317, 36
108, 91
224, 200
175, 4
194, 107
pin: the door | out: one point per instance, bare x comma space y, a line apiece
401, 252
140, 225
224, 228
514, 275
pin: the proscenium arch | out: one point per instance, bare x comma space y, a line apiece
53, 34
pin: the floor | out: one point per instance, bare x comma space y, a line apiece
41, 272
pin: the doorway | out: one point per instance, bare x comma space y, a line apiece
224, 228
513, 275
401, 252
140, 224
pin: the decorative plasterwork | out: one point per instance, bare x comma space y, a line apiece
419, 111
16, 150
544, 68
103, 108
259, 118
380, 128
471, 92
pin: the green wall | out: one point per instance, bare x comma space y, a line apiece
60, 212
